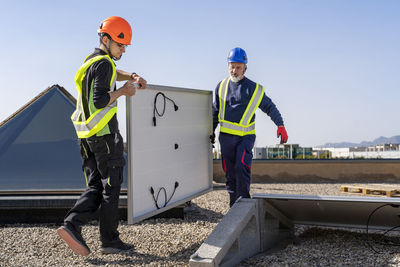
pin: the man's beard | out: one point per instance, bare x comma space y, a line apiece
236, 79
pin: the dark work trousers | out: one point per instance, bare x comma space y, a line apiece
236, 161
102, 164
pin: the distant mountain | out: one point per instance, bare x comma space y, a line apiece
378, 141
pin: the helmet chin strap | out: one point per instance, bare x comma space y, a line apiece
108, 49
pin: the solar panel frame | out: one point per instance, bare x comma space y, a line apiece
337, 211
177, 149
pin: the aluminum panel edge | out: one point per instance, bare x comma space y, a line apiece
128, 156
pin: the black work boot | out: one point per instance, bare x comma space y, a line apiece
116, 247
74, 240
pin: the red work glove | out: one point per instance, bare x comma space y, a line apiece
283, 134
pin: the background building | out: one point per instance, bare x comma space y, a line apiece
294, 151
286, 151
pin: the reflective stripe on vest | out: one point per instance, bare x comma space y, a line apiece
222, 91
244, 127
86, 127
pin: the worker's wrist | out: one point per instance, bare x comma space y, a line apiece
133, 75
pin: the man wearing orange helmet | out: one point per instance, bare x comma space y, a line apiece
101, 144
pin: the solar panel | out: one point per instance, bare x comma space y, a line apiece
169, 150
38, 146
337, 211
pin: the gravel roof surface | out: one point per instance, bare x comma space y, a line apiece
170, 242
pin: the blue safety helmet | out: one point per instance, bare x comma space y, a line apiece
237, 55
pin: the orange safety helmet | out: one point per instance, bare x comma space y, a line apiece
119, 29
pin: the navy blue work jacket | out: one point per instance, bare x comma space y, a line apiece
237, 99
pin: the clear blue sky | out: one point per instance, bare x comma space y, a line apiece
331, 67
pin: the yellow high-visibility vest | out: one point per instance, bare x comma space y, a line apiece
244, 127
98, 119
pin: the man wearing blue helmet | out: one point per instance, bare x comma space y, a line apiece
236, 101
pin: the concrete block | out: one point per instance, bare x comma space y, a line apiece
251, 226
235, 238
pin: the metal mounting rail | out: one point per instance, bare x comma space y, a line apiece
44, 201
47, 192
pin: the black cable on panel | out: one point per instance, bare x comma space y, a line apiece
155, 110
166, 201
